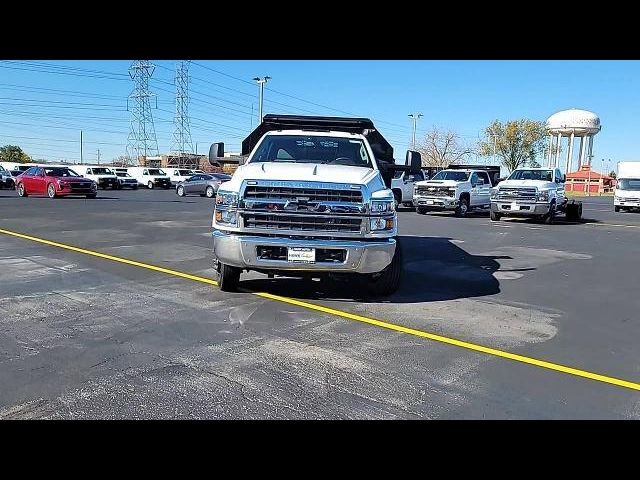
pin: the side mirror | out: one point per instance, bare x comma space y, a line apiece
215, 152
564, 178
413, 161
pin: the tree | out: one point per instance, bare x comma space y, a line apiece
612, 174
123, 161
13, 153
534, 164
441, 148
516, 142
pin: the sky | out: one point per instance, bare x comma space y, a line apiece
45, 104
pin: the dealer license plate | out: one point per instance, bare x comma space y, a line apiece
514, 206
301, 255
429, 202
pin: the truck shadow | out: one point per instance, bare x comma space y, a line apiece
434, 269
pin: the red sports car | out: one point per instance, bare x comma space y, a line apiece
54, 182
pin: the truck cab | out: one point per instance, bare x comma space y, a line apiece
103, 176
150, 177
177, 175
312, 199
536, 193
403, 184
457, 188
627, 192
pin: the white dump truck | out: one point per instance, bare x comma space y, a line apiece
536, 193
312, 198
627, 191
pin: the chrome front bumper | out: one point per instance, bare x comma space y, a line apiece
361, 256
621, 202
435, 202
520, 208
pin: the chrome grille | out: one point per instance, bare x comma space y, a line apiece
436, 191
301, 223
517, 193
260, 192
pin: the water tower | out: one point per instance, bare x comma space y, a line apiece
571, 124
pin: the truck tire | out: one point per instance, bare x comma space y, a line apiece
616, 208
421, 210
228, 278
387, 282
463, 207
150, 185
495, 216
550, 218
397, 197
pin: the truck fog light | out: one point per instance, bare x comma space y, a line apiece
381, 224
218, 216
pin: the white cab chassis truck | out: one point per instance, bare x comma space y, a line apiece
627, 191
459, 188
403, 184
103, 176
535, 193
312, 199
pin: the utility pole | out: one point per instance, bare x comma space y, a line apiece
98, 156
414, 117
81, 162
261, 82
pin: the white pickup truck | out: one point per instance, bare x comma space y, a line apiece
627, 191
536, 193
312, 200
103, 176
403, 184
458, 188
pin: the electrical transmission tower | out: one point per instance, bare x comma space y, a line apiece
182, 142
142, 135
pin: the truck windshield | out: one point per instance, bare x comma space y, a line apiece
312, 149
451, 175
156, 171
102, 171
628, 184
545, 175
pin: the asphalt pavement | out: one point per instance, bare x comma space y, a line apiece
83, 336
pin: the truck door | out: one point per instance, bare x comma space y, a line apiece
484, 188
559, 186
474, 194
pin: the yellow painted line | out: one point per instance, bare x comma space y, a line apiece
359, 318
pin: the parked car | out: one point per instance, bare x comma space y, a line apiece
103, 176
202, 184
177, 175
150, 177
6, 180
54, 182
126, 181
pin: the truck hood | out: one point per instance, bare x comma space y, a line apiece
304, 172
439, 183
105, 176
539, 184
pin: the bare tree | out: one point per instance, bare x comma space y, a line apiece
123, 161
441, 148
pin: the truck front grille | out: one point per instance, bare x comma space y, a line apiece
434, 191
515, 193
259, 192
302, 223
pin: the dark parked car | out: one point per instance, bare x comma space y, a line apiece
54, 182
205, 184
126, 181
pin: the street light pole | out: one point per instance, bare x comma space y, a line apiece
414, 117
261, 82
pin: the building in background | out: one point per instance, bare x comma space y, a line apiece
587, 180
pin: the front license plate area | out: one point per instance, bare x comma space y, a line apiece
301, 255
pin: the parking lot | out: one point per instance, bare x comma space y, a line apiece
86, 336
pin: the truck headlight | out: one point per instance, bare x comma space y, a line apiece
543, 196
494, 194
382, 206
227, 199
380, 223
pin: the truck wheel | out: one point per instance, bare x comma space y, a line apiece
421, 210
579, 213
550, 218
150, 185
616, 208
228, 278
396, 199
386, 282
495, 216
462, 208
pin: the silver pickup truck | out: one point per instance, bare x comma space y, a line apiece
312, 199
